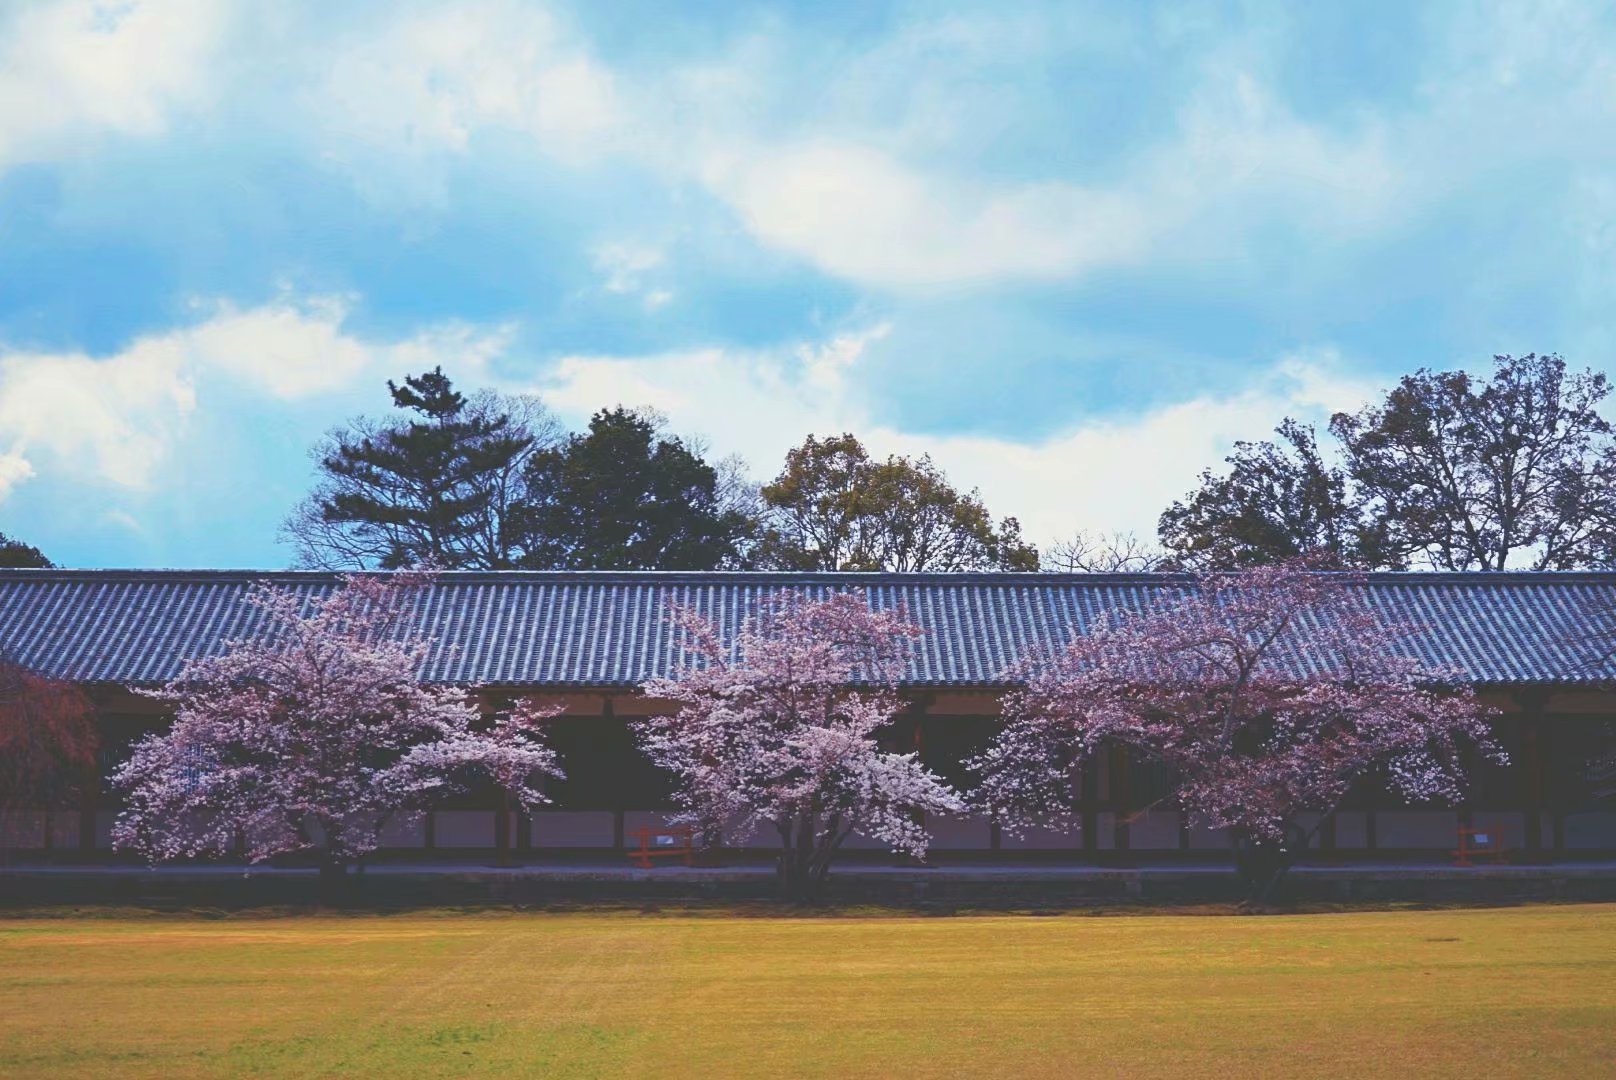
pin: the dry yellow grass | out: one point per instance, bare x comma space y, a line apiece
1509, 992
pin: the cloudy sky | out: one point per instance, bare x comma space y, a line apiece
1071, 251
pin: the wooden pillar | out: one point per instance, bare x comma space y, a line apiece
917, 744
1088, 806
1533, 768
1553, 792
90, 783
89, 807
1121, 795
502, 830
608, 713
504, 803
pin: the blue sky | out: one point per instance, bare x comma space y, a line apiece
1071, 251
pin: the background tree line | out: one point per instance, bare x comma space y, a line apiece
1445, 471
492, 482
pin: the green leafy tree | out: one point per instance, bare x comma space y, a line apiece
14, 554
1277, 501
439, 485
834, 507
1518, 470
624, 496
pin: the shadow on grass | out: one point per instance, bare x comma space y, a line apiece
759, 909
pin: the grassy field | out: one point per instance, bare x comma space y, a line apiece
1507, 992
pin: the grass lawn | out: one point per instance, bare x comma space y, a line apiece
1507, 992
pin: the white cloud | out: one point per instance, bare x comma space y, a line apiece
287, 348
117, 418
859, 213
627, 268
878, 175
624, 264
294, 348
112, 418
1236, 156
1105, 474
14, 469
123, 519
1119, 474
826, 365
432, 80
83, 67
872, 196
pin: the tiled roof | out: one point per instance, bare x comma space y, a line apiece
609, 630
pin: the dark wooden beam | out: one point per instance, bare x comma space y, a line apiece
1534, 769
1121, 796
1088, 806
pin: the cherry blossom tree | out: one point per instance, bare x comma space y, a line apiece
780, 729
48, 741
1269, 693
313, 733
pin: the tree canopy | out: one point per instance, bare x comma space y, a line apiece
313, 734
436, 486
1518, 470
14, 554
834, 507
1447, 471
623, 496
1107, 553
1268, 694
488, 482
768, 734
1278, 500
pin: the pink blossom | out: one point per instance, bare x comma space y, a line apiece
780, 729
314, 733
1268, 693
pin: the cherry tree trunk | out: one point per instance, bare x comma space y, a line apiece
1262, 862
334, 883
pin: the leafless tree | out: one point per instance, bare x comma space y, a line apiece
1103, 553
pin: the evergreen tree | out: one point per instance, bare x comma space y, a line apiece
623, 496
14, 554
437, 487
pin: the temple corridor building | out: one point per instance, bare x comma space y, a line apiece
1530, 643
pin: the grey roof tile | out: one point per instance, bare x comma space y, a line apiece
609, 629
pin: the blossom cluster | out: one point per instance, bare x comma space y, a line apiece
781, 728
314, 733
1269, 693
